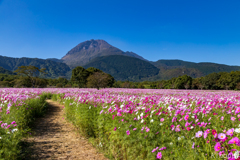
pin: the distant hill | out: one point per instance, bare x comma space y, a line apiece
175, 68
124, 67
55, 60
88, 50
4, 71
54, 69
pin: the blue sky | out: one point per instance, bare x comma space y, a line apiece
190, 30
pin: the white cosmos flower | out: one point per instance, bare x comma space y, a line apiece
14, 130
236, 154
182, 137
89, 107
151, 120
237, 130
179, 138
171, 143
141, 114
161, 124
142, 121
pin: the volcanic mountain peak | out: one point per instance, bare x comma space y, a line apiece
88, 50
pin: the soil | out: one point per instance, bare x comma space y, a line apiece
55, 138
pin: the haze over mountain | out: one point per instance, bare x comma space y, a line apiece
88, 50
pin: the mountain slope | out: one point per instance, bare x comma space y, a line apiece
88, 50
174, 68
124, 67
54, 69
4, 71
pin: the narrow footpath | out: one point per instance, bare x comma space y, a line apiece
55, 138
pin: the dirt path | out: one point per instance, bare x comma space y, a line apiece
55, 138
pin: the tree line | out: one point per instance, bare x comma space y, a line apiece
30, 76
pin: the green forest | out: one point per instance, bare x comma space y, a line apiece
83, 78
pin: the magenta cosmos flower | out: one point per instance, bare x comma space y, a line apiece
217, 147
186, 117
159, 155
128, 132
221, 136
199, 134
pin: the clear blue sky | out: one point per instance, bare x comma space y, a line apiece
190, 30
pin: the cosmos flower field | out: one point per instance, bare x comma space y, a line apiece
144, 124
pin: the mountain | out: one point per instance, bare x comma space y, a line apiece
175, 68
4, 71
88, 50
54, 69
124, 67
55, 60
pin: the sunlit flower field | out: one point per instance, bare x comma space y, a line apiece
145, 124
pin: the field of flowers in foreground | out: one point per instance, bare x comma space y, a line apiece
157, 124
18, 108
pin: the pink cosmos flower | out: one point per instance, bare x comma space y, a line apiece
134, 129
222, 118
233, 118
221, 153
186, 117
162, 148
230, 132
13, 122
178, 128
115, 129
193, 145
221, 136
147, 130
237, 110
174, 119
205, 135
128, 132
235, 140
217, 147
153, 150
199, 134
187, 124
159, 155
162, 119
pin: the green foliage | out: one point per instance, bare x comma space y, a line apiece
32, 73
124, 67
80, 75
99, 80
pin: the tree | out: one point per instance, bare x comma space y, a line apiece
31, 72
183, 82
98, 80
92, 70
80, 75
